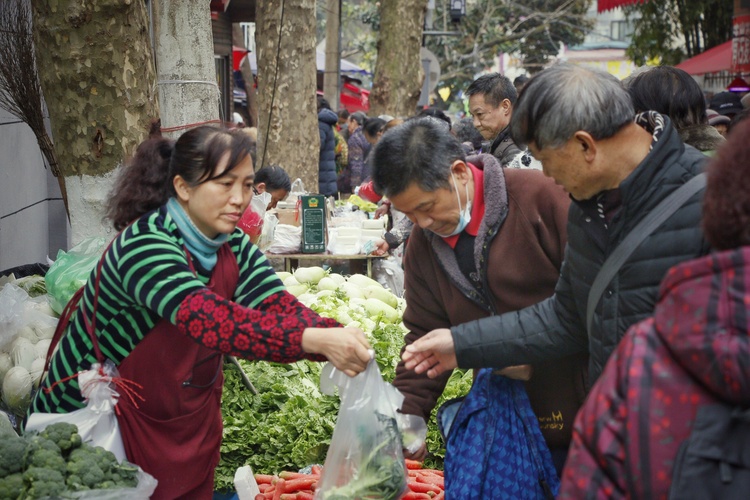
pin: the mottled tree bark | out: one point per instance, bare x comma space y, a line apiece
398, 71
287, 118
186, 71
96, 71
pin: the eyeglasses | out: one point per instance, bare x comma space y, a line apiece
203, 368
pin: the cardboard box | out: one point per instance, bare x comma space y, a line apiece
313, 223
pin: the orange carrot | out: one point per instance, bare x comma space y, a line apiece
263, 478
316, 470
410, 495
302, 483
439, 496
260, 496
413, 464
279, 489
303, 495
431, 479
423, 487
263, 487
292, 475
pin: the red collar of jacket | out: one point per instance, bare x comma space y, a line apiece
477, 208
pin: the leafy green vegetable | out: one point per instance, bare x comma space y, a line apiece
289, 424
458, 385
286, 426
379, 475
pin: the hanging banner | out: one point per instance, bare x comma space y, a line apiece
741, 46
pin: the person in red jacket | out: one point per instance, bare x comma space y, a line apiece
692, 353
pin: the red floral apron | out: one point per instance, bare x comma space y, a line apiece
175, 433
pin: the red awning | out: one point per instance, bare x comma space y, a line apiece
713, 60
602, 5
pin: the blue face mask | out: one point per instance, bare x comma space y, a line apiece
465, 215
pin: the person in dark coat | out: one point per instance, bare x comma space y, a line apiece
616, 170
672, 92
487, 240
327, 161
491, 99
670, 368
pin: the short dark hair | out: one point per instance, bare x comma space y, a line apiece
323, 103
358, 117
373, 126
418, 151
343, 113
465, 131
494, 87
726, 204
436, 113
520, 80
274, 177
672, 92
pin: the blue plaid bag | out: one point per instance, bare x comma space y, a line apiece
494, 447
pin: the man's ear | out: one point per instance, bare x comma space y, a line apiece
181, 187
506, 105
587, 144
460, 170
260, 187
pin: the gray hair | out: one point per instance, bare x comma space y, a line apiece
563, 99
418, 151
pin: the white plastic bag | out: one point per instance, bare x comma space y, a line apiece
97, 422
286, 239
12, 312
389, 273
143, 491
365, 458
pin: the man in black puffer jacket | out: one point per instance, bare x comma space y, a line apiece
327, 162
579, 123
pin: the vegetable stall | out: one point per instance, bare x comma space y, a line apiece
286, 425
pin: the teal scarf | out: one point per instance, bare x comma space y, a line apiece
198, 244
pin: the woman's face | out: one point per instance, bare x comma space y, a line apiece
216, 206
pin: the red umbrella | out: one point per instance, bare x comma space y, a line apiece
238, 54
602, 5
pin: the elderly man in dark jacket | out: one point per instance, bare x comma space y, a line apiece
579, 123
487, 240
327, 162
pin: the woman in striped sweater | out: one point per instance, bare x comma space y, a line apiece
179, 288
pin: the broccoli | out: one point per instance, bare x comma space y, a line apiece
43, 482
125, 475
12, 452
64, 435
11, 486
43, 453
85, 469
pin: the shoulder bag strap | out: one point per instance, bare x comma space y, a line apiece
635, 237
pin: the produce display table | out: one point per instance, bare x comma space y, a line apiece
358, 264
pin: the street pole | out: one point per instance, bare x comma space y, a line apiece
332, 74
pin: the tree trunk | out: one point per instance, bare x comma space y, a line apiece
398, 71
184, 45
97, 75
288, 126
